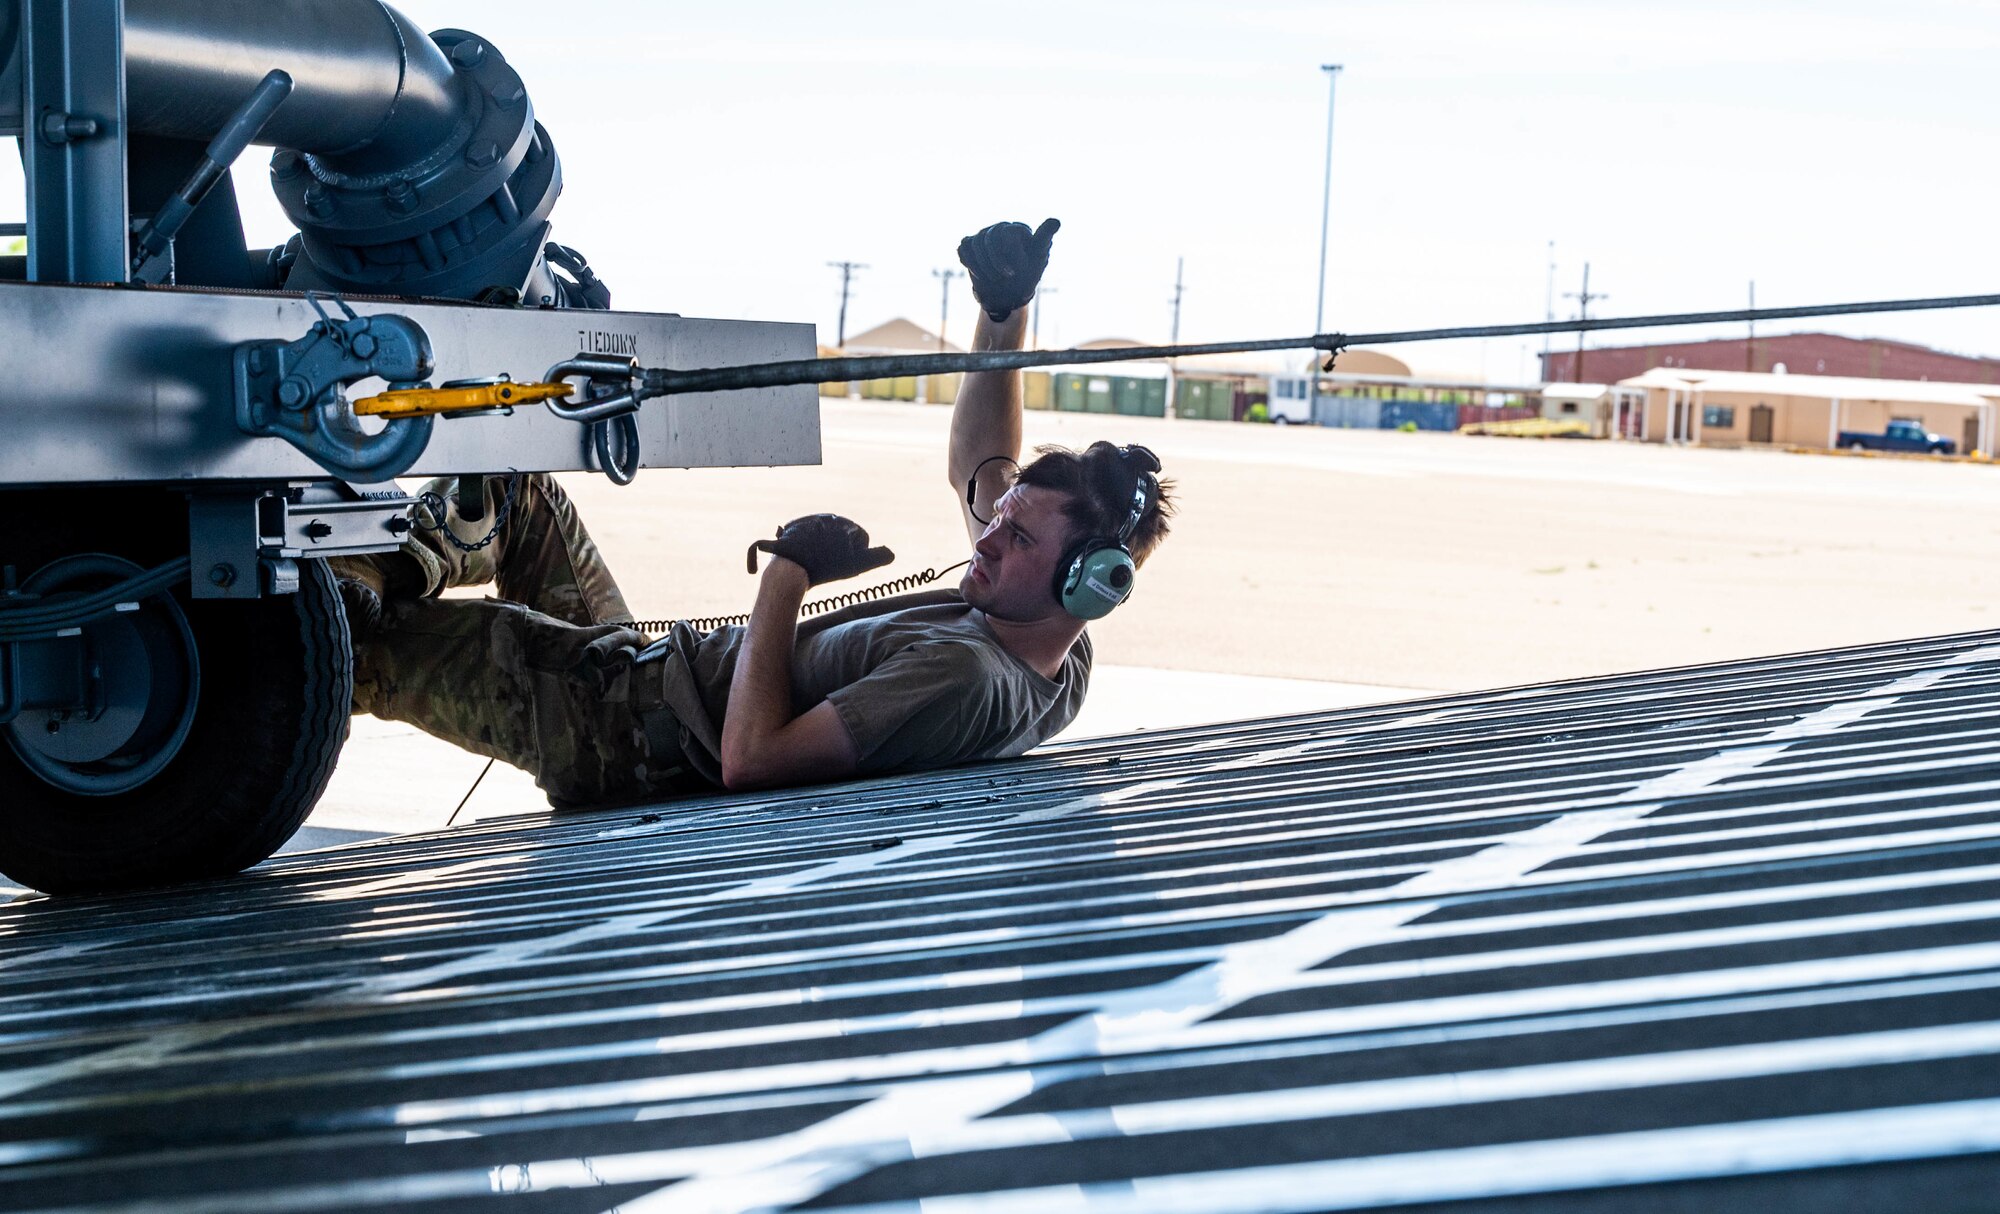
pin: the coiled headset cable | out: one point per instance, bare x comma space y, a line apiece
901, 585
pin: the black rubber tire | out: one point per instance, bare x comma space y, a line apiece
277, 680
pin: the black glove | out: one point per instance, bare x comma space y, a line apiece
827, 546
1006, 263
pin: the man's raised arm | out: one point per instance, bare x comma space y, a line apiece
763, 744
1005, 263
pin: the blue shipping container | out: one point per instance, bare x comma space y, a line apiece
1426, 415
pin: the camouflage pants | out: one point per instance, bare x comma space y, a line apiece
542, 677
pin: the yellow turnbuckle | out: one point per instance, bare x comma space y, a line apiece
415, 402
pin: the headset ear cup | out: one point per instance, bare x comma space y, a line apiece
1096, 580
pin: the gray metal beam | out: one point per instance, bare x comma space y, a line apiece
147, 375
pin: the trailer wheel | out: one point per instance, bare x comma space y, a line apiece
225, 764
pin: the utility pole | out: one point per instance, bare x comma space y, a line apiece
1173, 388
1332, 71
1035, 317
944, 305
847, 269
1582, 299
1549, 306
1750, 352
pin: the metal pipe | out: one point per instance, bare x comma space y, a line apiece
368, 86
369, 83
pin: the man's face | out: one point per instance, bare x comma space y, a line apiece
1014, 562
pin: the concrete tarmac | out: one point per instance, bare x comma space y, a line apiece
1315, 569
1405, 560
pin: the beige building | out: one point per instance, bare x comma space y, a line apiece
1609, 410
1739, 408
898, 336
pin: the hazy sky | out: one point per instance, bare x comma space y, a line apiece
718, 155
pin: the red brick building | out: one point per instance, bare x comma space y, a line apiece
1800, 353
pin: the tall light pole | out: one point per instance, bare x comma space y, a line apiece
944, 306
1035, 317
1332, 71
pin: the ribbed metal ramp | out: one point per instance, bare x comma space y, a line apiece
1719, 938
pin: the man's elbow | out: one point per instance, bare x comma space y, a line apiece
812, 749
736, 778
741, 771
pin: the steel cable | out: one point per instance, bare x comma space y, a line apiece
660, 381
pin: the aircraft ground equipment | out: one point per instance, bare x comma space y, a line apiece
174, 661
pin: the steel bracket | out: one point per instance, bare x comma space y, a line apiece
51, 673
245, 544
333, 518
73, 140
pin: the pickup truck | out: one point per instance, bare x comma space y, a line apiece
1900, 436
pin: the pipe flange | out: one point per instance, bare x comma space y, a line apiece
471, 213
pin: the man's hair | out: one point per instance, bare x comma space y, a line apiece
1097, 486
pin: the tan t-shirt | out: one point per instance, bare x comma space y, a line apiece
919, 680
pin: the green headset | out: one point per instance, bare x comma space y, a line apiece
1097, 574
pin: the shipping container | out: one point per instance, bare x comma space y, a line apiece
1038, 390
941, 389
1131, 395
1348, 412
1424, 415
1069, 392
1139, 397
1205, 399
1084, 393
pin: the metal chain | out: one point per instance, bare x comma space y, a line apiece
437, 507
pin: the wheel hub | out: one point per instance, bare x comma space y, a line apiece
142, 675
